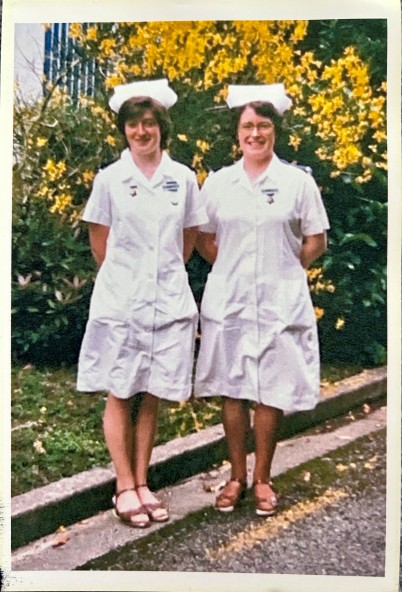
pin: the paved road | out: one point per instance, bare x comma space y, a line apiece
331, 521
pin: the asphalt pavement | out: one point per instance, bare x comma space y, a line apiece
331, 521
100, 536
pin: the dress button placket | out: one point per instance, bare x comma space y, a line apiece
150, 279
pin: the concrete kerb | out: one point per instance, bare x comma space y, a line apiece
41, 511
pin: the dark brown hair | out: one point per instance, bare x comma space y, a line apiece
263, 109
135, 107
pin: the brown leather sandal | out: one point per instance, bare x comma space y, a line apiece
152, 509
265, 506
225, 501
127, 517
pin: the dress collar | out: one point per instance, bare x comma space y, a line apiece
130, 169
271, 173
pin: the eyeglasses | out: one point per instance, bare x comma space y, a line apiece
263, 126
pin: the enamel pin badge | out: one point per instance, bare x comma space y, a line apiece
269, 194
133, 190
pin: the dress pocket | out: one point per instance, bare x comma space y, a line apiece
298, 307
176, 298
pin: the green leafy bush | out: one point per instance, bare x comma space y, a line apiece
356, 263
52, 279
58, 145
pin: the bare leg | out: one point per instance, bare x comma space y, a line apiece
236, 423
118, 432
266, 424
144, 435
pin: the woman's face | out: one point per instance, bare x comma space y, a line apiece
143, 134
256, 135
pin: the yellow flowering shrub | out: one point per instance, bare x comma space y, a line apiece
333, 101
344, 112
334, 71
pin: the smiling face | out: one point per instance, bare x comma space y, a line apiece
256, 135
139, 109
143, 134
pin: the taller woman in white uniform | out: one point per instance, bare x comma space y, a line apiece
259, 342
143, 214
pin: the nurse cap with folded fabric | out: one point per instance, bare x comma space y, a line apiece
159, 90
242, 94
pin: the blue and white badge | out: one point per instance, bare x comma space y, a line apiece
172, 187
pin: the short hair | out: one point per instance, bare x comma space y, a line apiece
135, 107
264, 109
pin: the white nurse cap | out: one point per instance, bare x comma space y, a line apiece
158, 90
241, 94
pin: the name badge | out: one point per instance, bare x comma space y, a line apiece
172, 187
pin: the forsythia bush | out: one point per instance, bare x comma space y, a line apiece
335, 73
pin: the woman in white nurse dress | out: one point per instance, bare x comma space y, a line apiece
267, 223
143, 214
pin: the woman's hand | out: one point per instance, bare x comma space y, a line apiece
98, 235
206, 246
313, 246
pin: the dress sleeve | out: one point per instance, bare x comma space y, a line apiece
314, 219
98, 208
210, 206
194, 214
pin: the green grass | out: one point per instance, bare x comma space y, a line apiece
57, 432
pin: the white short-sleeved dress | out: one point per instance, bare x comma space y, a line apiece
143, 317
258, 328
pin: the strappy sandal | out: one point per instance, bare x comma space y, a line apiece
265, 506
154, 509
226, 502
127, 517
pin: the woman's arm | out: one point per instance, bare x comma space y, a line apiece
189, 238
206, 246
98, 234
313, 246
